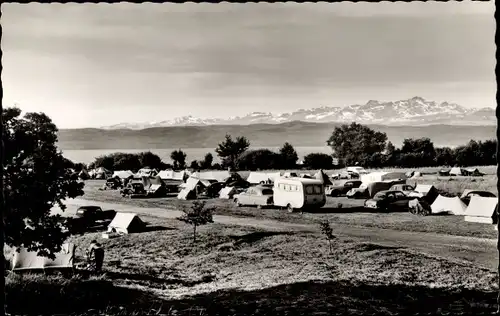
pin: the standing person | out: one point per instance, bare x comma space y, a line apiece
95, 256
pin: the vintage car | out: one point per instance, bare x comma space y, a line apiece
339, 188
405, 188
259, 196
388, 201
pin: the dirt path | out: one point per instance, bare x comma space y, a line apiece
479, 251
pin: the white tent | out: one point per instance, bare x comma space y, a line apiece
187, 194
258, 177
25, 260
450, 205
146, 172
382, 176
227, 193
172, 175
126, 223
123, 174
456, 171
481, 209
218, 176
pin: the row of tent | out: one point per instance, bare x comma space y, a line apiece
457, 171
24, 260
480, 209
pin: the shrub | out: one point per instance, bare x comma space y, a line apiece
318, 161
258, 159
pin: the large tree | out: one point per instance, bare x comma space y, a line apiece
179, 159
289, 156
229, 150
35, 179
356, 143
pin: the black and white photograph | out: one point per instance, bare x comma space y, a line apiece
250, 158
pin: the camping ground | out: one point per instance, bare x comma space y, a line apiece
261, 269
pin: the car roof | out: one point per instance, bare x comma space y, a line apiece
89, 206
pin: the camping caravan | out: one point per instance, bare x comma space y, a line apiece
227, 193
126, 223
448, 205
298, 193
25, 260
481, 209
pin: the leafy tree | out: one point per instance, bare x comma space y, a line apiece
356, 143
318, 161
258, 159
418, 152
194, 165
197, 215
149, 159
35, 179
229, 150
126, 161
179, 158
444, 157
207, 161
289, 156
327, 230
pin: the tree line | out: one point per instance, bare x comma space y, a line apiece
351, 144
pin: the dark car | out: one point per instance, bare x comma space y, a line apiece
88, 216
466, 198
133, 188
214, 188
340, 188
113, 184
388, 201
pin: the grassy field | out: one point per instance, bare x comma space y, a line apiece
244, 271
351, 213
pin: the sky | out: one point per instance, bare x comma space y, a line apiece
92, 65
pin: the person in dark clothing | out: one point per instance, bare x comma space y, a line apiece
95, 256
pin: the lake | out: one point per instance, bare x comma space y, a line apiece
88, 155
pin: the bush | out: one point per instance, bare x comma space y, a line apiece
128, 161
258, 159
318, 161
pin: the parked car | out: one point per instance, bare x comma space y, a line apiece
113, 184
133, 188
389, 201
299, 193
259, 196
356, 171
342, 175
405, 188
88, 216
340, 188
467, 197
213, 189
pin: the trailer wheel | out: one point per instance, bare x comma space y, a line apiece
289, 208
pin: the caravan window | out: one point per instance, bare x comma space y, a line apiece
309, 189
317, 189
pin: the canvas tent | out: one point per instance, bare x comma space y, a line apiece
28, 260
101, 173
227, 193
448, 205
123, 174
187, 194
426, 191
320, 175
219, 176
481, 209
173, 175
456, 171
126, 223
84, 174
472, 172
262, 177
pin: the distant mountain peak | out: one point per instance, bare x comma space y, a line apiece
414, 111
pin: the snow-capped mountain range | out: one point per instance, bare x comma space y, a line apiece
414, 111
